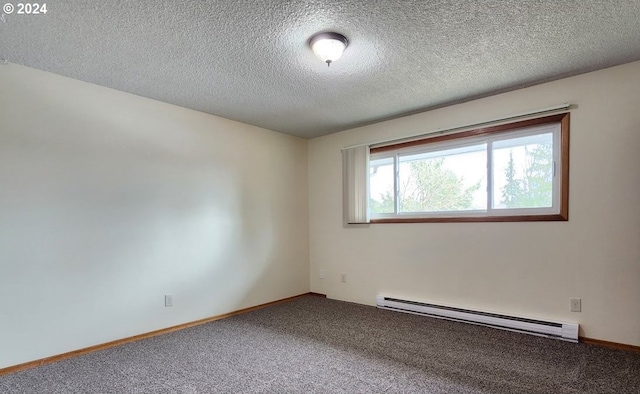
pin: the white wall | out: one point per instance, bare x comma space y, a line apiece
529, 269
108, 201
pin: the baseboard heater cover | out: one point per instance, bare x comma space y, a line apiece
558, 330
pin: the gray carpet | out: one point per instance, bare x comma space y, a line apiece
315, 345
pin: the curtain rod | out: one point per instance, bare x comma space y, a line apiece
452, 130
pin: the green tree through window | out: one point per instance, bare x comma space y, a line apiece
534, 188
429, 187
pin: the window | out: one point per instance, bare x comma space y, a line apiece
513, 172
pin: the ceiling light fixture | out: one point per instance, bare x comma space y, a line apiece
328, 47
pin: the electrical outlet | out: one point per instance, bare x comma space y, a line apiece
576, 305
168, 300
343, 278
321, 274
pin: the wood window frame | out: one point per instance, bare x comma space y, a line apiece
563, 215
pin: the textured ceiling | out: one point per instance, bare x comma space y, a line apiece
249, 60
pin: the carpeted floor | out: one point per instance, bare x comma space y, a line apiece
315, 345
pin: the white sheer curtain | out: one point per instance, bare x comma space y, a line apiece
355, 173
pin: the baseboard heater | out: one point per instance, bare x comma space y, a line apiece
558, 330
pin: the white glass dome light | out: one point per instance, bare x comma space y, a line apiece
328, 47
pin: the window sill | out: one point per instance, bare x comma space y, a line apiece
477, 219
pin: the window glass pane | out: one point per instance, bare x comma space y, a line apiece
523, 172
381, 186
445, 180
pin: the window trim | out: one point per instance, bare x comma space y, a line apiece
563, 215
